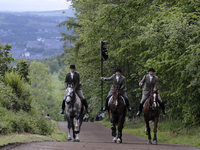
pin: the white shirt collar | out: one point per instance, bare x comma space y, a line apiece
151, 77
117, 77
72, 74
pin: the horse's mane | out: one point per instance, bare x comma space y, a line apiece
116, 88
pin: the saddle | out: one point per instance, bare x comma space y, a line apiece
112, 96
146, 101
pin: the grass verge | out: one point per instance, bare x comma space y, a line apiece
57, 135
168, 132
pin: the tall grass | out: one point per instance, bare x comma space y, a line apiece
173, 131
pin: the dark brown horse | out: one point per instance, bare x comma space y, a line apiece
151, 112
117, 113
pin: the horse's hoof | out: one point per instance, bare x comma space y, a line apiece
154, 143
74, 140
114, 140
69, 139
149, 143
119, 140
77, 140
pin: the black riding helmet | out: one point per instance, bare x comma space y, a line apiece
118, 70
151, 69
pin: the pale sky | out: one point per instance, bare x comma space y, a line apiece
33, 5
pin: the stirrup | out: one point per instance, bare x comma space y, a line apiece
129, 108
138, 113
164, 112
88, 111
62, 111
105, 108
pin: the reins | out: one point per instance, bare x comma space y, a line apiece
116, 98
150, 105
72, 97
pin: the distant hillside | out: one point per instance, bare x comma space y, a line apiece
68, 13
38, 29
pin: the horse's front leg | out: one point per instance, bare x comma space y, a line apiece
69, 126
76, 126
120, 127
148, 132
72, 123
113, 128
155, 131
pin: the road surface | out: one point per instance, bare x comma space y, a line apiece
95, 136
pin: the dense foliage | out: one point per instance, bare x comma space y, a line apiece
19, 111
6, 58
140, 34
43, 90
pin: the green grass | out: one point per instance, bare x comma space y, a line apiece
58, 92
57, 135
59, 88
168, 132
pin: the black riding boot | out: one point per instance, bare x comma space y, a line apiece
106, 104
127, 104
84, 102
139, 110
63, 107
163, 108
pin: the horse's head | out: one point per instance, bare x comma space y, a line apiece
116, 90
153, 98
69, 94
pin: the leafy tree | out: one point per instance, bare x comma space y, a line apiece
5, 58
23, 69
41, 84
52, 65
139, 34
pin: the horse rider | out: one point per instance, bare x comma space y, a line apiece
150, 80
73, 77
118, 79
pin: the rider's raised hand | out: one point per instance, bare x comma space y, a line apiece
102, 78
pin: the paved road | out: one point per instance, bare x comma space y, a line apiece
95, 136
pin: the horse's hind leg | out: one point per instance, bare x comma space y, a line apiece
155, 131
148, 132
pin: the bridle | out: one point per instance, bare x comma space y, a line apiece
115, 97
154, 101
71, 95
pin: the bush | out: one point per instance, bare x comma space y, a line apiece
20, 122
7, 99
20, 89
14, 80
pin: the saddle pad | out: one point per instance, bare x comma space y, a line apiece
121, 97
